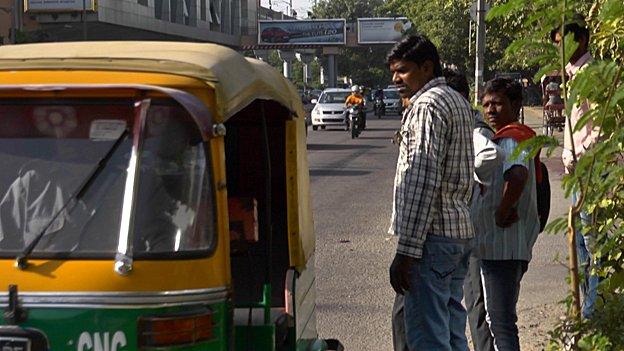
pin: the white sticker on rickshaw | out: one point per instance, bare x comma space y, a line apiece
102, 341
106, 129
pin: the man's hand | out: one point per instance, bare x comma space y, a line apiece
400, 272
506, 217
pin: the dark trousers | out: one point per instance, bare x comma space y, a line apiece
501, 287
398, 324
475, 305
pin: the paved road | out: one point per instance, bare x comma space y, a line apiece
351, 188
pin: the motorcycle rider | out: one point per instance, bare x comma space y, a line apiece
356, 98
379, 101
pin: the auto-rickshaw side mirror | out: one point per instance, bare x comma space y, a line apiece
314, 101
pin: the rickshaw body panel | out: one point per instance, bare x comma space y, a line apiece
114, 329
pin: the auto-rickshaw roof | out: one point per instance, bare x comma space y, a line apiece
237, 80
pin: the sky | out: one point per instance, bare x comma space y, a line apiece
301, 6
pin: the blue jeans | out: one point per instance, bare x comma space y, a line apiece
435, 318
589, 282
501, 288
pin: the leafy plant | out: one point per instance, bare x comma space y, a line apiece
599, 172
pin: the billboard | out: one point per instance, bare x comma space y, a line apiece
59, 5
382, 30
301, 32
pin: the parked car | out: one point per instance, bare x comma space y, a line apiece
329, 109
392, 100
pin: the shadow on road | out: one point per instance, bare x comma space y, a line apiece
376, 138
341, 147
380, 129
337, 173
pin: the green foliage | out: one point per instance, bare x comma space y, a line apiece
599, 172
351, 10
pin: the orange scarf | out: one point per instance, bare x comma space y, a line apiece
519, 133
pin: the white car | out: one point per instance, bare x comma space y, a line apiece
393, 102
329, 109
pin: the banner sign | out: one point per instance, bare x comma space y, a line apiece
59, 5
382, 30
301, 32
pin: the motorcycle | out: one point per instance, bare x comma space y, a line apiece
354, 120
380, 107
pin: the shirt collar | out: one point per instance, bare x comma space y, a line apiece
572, 68
437, 81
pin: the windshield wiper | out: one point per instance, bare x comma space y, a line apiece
21, 261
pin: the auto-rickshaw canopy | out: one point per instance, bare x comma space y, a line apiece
237, 80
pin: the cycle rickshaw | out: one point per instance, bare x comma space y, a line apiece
553, 116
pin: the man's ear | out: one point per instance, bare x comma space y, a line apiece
427, 67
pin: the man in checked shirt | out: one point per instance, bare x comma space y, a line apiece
431, 205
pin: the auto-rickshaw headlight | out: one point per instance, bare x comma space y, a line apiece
162, 331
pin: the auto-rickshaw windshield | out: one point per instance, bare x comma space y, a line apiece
48, 151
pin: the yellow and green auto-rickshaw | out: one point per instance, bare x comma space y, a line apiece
153, 196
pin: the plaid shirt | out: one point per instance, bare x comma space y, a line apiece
434, 175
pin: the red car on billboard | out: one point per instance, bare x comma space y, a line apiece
275, 35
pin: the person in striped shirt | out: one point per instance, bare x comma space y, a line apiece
505, 215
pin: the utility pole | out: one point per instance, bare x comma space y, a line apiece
480, 49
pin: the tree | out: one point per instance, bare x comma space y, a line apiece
599, 173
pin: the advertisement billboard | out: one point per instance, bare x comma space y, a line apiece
301, 32
59, 5
382, 30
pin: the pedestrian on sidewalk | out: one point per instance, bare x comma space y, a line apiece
505, 240
431, 202
582, 140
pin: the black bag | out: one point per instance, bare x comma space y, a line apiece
543, 197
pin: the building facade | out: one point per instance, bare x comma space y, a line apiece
225, 22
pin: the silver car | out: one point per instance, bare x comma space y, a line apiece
393, 102
329, 109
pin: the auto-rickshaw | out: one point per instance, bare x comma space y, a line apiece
153, 196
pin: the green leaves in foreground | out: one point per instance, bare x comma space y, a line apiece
599, 173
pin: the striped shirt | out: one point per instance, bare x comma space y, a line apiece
516, 241
434, 175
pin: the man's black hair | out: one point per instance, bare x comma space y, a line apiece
457, 81
510, 88
577, 26
416, 48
